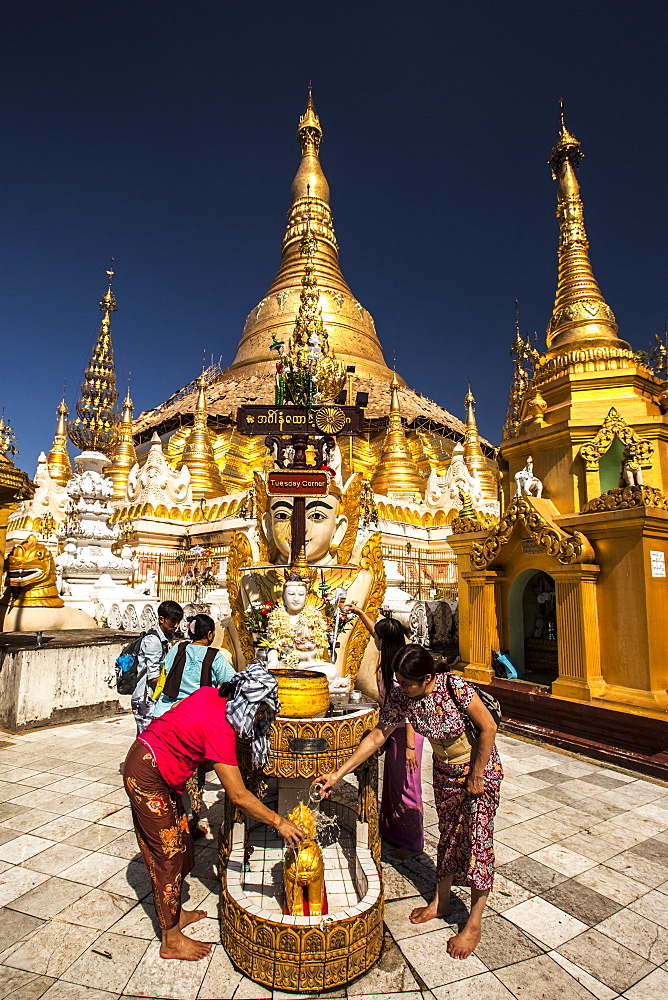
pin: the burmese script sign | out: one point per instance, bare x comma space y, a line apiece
297, 483
294, 420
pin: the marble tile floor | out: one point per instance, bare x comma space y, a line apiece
579, 909
263, 884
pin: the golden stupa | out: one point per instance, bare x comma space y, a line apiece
431, 432
573, 582
123, 455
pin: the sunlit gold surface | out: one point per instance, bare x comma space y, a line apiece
123, 455
303, 694
581, 316
94, 427
328, 374
60, 468
397, 474
303, 867
352, 332
31, 571
473, 456
205, 481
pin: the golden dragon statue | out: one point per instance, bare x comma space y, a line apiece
31, 601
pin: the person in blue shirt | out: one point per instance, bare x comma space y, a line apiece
201, 631
190, 665
152, 651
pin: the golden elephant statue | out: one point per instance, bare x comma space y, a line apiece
304, 868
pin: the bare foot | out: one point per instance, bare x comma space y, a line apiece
421, 914
462, 944
184, 948
191, 917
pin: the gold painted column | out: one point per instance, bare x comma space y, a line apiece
593, 480
578, 640
479, 632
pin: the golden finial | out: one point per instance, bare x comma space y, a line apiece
198, 453
581, 317
397, 474
96, 423
309, 131
566, 147
58, 461
302, 569
473, 456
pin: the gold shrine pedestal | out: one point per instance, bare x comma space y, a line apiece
297, 953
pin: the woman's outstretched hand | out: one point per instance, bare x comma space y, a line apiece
352, 609
326, 783
290, 832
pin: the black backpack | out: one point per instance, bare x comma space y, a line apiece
127, 663
174, 677
488, 700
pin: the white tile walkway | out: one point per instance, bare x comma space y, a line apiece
579, 909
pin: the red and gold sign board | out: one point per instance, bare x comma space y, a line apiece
298, 483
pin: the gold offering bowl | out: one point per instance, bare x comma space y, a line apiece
303, 694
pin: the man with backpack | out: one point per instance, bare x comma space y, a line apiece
152, 651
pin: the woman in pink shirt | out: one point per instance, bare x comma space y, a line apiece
157, 768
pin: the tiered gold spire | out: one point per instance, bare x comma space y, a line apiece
581, 317
352, 333
473, 456
205, 478
94, 428
308, 355
397, 474
58, 461
124, 455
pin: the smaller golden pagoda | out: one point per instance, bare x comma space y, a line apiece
60, 468
94, 427
124, 456
397, 474
198, 454
473, 456
572, 580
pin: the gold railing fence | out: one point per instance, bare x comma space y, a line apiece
429, 575
180, 575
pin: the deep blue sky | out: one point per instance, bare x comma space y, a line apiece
163, 134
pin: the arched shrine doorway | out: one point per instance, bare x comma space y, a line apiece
532, 621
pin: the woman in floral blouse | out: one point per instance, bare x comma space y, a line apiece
467, 780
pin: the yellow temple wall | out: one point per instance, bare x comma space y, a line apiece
632, 604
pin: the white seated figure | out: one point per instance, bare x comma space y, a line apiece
294, 627
527, 482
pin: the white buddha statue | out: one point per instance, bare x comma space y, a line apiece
296, 627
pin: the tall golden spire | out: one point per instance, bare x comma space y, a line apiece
94, 428
473, 456
58, 460
352, 332
205, 480
397, 474
123, 455
581, 317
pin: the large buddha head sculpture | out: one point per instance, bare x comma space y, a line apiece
331, 523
